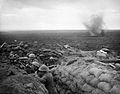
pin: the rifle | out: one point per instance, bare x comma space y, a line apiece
2, 45
110, 60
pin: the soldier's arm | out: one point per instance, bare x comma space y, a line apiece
43, 79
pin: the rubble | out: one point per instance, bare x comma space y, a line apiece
74, 71
22, 84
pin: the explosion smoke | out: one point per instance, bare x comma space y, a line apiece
95, 25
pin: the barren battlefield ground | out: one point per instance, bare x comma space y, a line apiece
78, 39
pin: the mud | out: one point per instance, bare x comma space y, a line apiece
75, 72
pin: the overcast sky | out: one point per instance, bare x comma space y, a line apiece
56, 14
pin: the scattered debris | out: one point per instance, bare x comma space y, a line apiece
74, 71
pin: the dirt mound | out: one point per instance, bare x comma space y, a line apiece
78, 72
83, 77
22, 84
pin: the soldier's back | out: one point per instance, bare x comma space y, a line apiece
50, 83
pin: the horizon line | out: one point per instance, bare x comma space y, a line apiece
53, 29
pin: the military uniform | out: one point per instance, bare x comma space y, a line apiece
47, 79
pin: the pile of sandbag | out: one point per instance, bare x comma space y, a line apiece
87, 78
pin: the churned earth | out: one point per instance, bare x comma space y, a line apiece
77, 71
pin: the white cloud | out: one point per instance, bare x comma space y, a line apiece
60, 14
35, 18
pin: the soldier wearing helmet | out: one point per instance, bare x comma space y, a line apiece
47, 79
32, 67
35, 65
31, 57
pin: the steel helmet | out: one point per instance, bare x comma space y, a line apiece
26, 46
32, 55
44, 68
36, 63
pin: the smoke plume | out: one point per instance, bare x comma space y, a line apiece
95, 25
